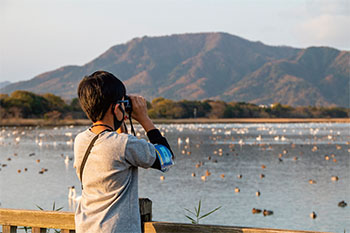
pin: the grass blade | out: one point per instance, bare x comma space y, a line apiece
39, 207
59, 209
199, 207
190, 211
190, 218
205, 215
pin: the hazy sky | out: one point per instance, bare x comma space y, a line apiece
37, 36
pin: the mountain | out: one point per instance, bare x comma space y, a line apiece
4, 84
212, 65
316, 77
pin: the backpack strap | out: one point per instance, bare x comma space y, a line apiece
87, 155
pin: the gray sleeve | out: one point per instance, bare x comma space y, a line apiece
139, 153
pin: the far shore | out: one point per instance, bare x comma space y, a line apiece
77, 122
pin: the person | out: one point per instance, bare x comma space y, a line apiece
109, 176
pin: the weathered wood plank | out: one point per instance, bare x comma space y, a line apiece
166, 227
67, 231
37, 218
9, 229
38, 230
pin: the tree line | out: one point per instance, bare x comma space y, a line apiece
25, 104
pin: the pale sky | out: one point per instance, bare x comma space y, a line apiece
37, 36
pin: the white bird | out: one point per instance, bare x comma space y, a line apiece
72, 194
227, 132
187, 140
66, 160
179, 141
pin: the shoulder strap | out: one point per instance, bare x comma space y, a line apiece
86, 157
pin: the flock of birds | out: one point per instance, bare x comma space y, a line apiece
217, 134
185, 145
39, 141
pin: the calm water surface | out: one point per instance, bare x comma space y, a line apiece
292, 154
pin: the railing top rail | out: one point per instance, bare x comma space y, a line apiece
37, 218
168, 227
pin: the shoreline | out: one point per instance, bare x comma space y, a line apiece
82, 122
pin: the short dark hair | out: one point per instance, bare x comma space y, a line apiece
97, 92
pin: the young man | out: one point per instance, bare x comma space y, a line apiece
108, 173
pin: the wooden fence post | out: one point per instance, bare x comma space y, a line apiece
145, 205
67, 231
38, 230
9, 229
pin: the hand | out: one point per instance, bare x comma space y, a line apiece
139, 112
139, 108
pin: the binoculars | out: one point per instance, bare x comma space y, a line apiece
128, 105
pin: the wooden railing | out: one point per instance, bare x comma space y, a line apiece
40, 221
168, 227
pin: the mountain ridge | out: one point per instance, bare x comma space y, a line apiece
212, 66
4, 84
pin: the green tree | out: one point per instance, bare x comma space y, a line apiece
55, 102
195, 108
279, 110
217, 108
30, 104
334, 112
75, 110
3, 108
75, 105
242, 109
165, 108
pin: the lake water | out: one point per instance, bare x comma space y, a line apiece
288, 155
